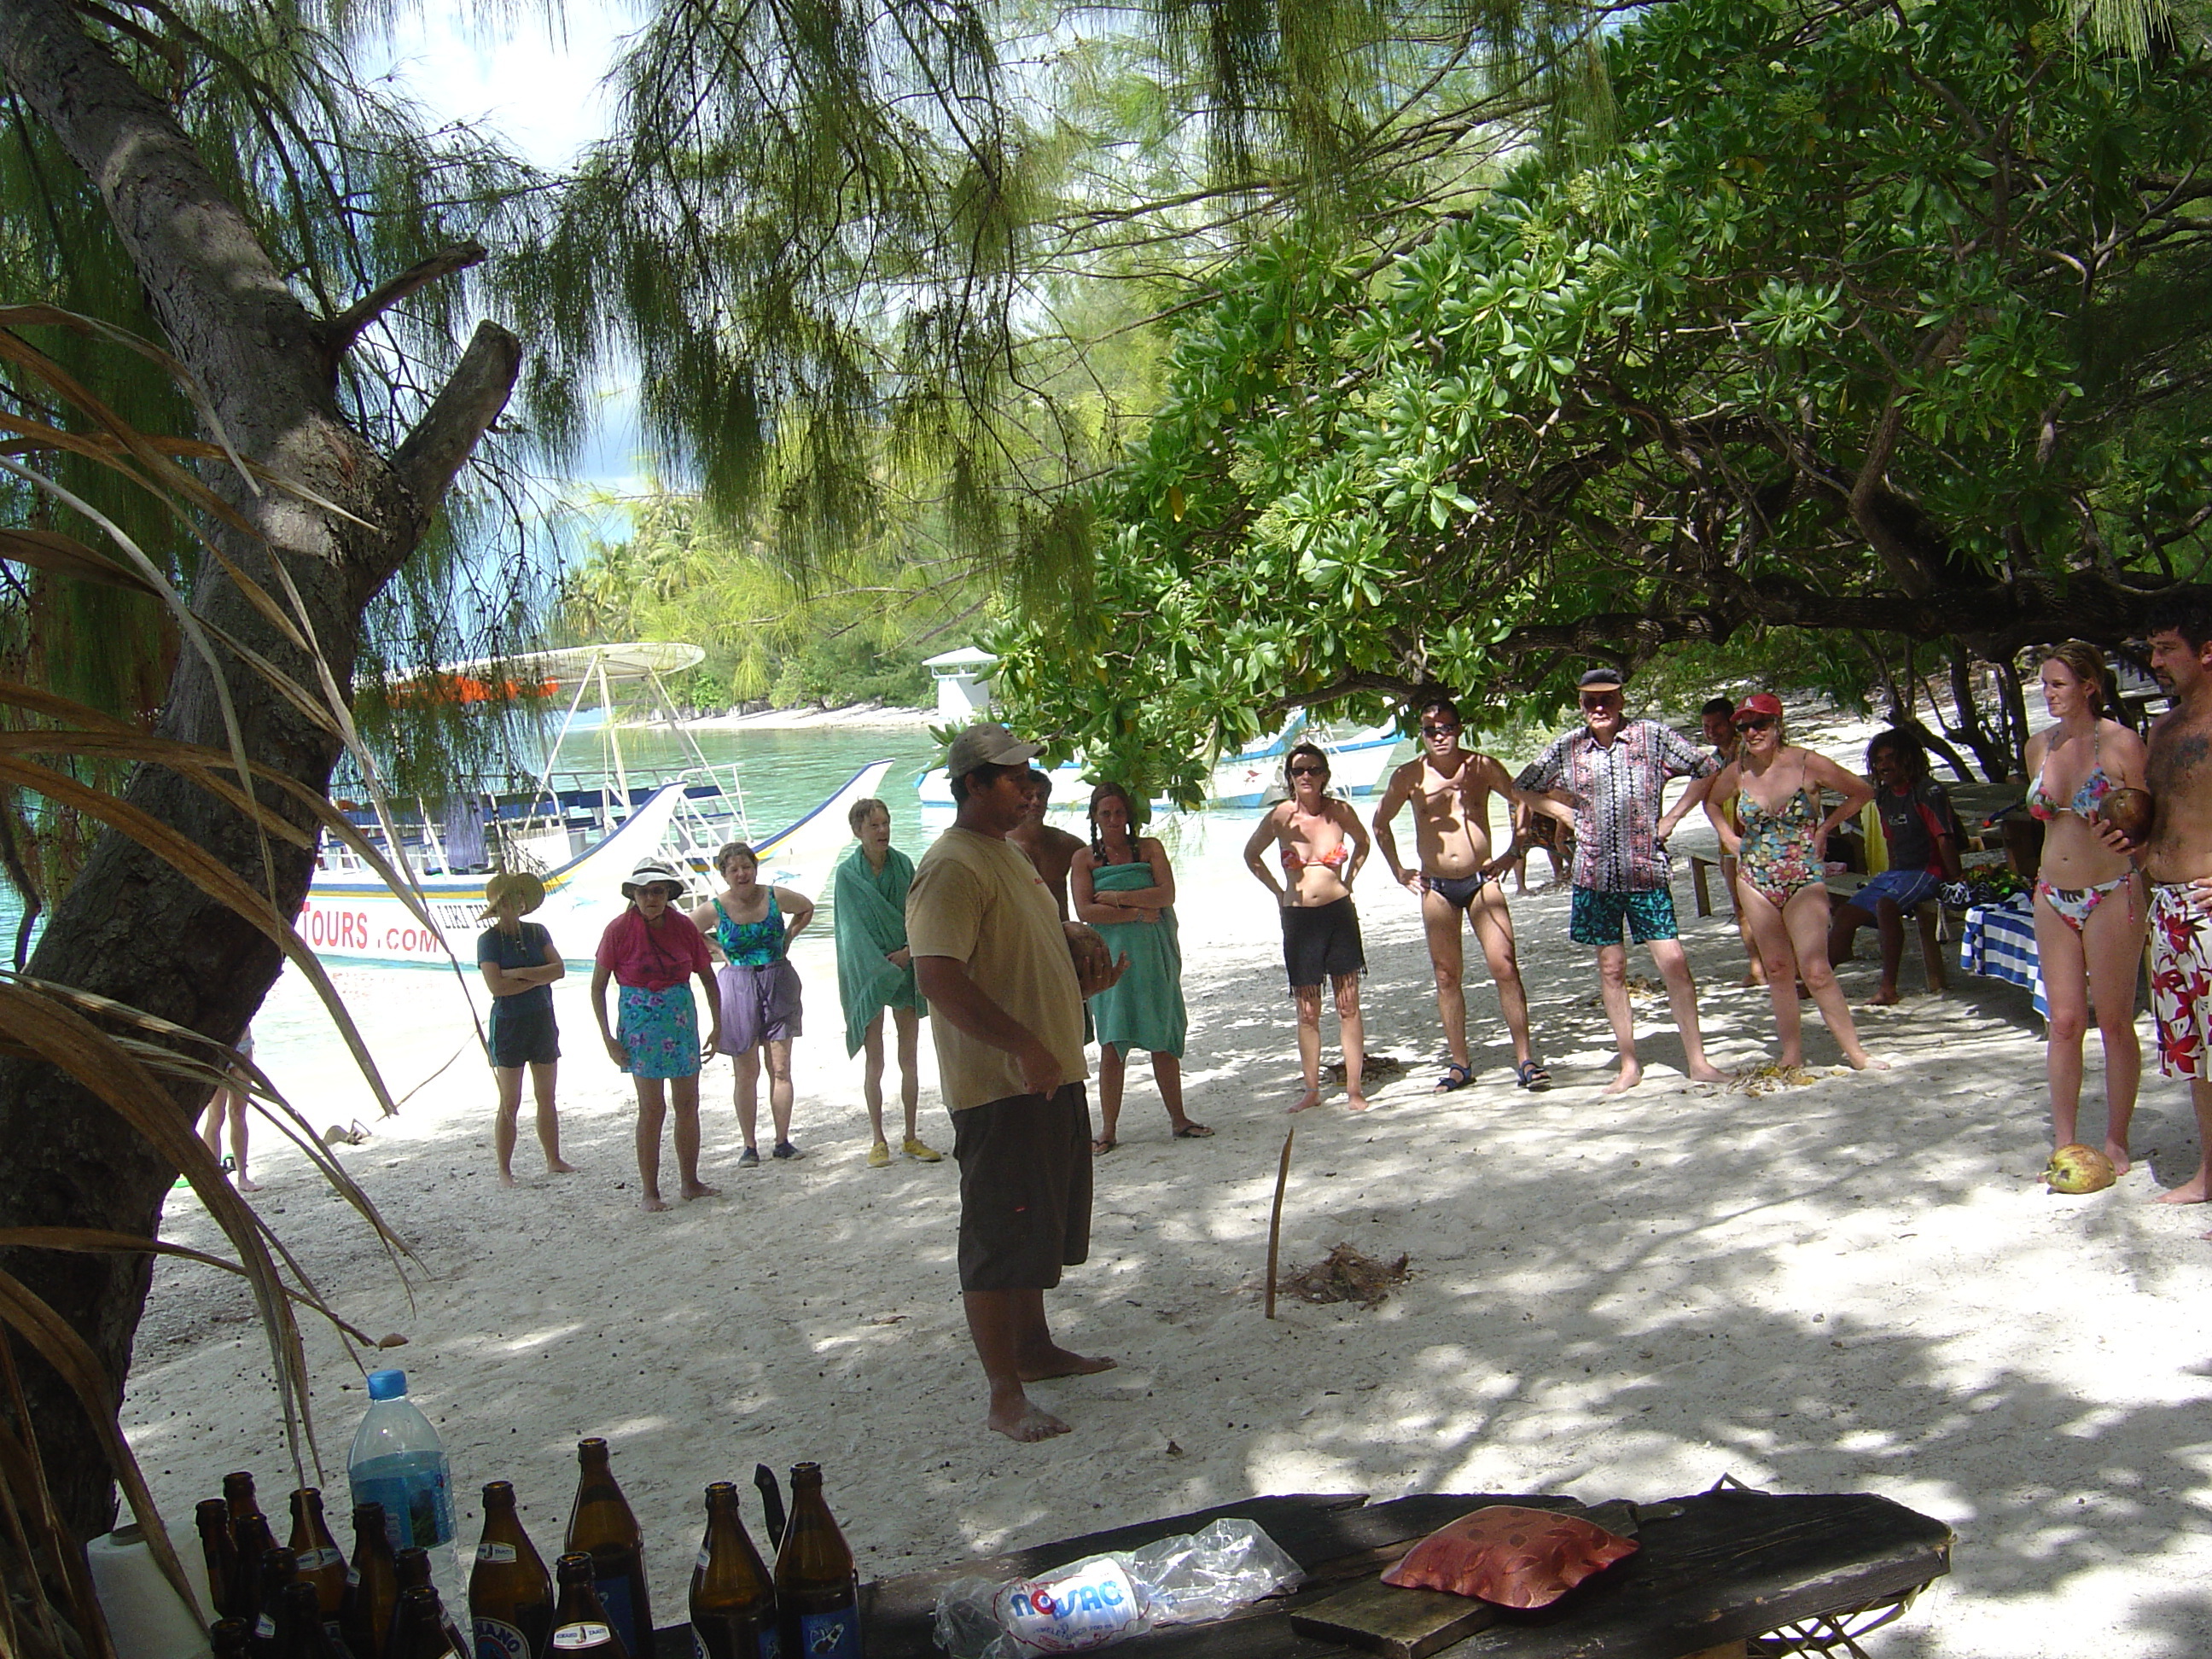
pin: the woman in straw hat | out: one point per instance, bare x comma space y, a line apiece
520, 965
651, 950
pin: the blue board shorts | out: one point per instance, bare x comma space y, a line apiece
1596, 917
1904, 888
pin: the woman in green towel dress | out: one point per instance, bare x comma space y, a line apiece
1122, 885
875, 971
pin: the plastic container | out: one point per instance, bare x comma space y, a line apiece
398, 1462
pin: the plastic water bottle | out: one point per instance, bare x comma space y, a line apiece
398, 1462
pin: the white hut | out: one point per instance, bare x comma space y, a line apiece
964, 685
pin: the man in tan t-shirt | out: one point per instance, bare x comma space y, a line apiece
1006, 979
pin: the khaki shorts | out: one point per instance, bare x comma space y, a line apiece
1025, 1190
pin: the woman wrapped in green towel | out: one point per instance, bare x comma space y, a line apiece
1123, 885
875, 971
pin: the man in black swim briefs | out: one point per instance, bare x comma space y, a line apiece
1449, 788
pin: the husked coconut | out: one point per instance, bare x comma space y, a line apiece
2079, 1168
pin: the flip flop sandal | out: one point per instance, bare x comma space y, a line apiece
1456, 1078
1531, 1074
1193, 1132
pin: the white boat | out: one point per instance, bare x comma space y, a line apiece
352, 915
1251, 777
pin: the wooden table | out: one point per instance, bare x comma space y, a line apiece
1714, 1572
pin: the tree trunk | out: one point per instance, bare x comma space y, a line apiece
130, 927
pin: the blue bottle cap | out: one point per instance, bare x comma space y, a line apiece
386, 1385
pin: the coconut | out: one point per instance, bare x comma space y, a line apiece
2079, 1168
2127, 810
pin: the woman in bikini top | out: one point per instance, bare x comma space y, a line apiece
2090, 911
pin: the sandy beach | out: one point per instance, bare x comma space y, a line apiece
856, 716
1854, 1285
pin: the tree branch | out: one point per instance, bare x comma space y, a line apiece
467, 404
339, 332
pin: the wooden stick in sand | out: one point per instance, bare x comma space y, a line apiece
1275, 1221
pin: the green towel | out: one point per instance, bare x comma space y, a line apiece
869, 910
1145, 1010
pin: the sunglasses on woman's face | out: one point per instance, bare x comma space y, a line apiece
1754, 723
1309, 771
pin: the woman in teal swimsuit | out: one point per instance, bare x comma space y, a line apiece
753, 927
1781, 880
2090, 909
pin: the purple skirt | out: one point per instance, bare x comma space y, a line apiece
759, 1004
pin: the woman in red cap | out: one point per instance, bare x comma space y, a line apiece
1780, 875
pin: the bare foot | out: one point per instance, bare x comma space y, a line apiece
2192, 1194
1750, 981
698, 1189
560, 1166
1632, 1073
652, 1203
1026, 1423
1356, 1102
1887, 997
1863, 1061
1307, 1101
245, 1186
2119, 1155
506, 1178
1058, 1362
1705, 1071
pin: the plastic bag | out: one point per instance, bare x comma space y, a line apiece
1184, 1580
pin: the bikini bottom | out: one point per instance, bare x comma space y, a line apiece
2074, 905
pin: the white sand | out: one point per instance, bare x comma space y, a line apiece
872, 716
1853, 1286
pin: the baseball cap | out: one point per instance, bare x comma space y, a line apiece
987, 743
1601, 677
1758, 703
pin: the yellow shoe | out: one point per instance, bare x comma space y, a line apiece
879, 1156
921, 1154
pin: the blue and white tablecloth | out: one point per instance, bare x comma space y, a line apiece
1999, 941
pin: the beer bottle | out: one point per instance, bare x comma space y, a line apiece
420, 1628
251, 1540
278, 1569
213, 1516
510, 1595
321, 1562
732, 1598
372, 1586
817, 1593
412, 1565
602, 1526
301, 1633
581, 1626
227, 1637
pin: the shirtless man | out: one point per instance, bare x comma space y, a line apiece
2177, 856
1052, 851
1450, 788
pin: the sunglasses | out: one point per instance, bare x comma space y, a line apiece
1753, 722
1428, 730
1309, 771
658, 890
1610, 700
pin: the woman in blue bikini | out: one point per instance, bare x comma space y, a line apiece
753, 927
2090, 910
1781, 879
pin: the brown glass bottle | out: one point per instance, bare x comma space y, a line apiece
602, 1526
301, 1633
817, 1593
580, 1627
226, 1636
420, 1628
372, 1586
322, 1564
221, 1553
510, 1593
733, 1597
278, 1569
251, 1540
412, 1565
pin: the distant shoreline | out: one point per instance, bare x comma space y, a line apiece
857, 715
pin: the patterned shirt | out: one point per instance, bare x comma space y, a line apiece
1616, 792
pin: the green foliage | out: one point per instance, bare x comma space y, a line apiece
1866, 323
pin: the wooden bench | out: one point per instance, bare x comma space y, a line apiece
1714, 1573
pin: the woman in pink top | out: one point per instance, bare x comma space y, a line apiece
651, 950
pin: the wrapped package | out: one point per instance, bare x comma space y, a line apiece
1184, 1580
1515, 1557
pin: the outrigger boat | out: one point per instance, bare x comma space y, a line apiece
583, 838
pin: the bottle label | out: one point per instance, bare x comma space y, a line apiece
489, 1551
614, 1601
1069, 1611
830, 1635
264, 1628
581, 1635
352, 1577
496, 1640
316, 1561
702, 1561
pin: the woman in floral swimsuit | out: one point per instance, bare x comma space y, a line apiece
1780, 879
